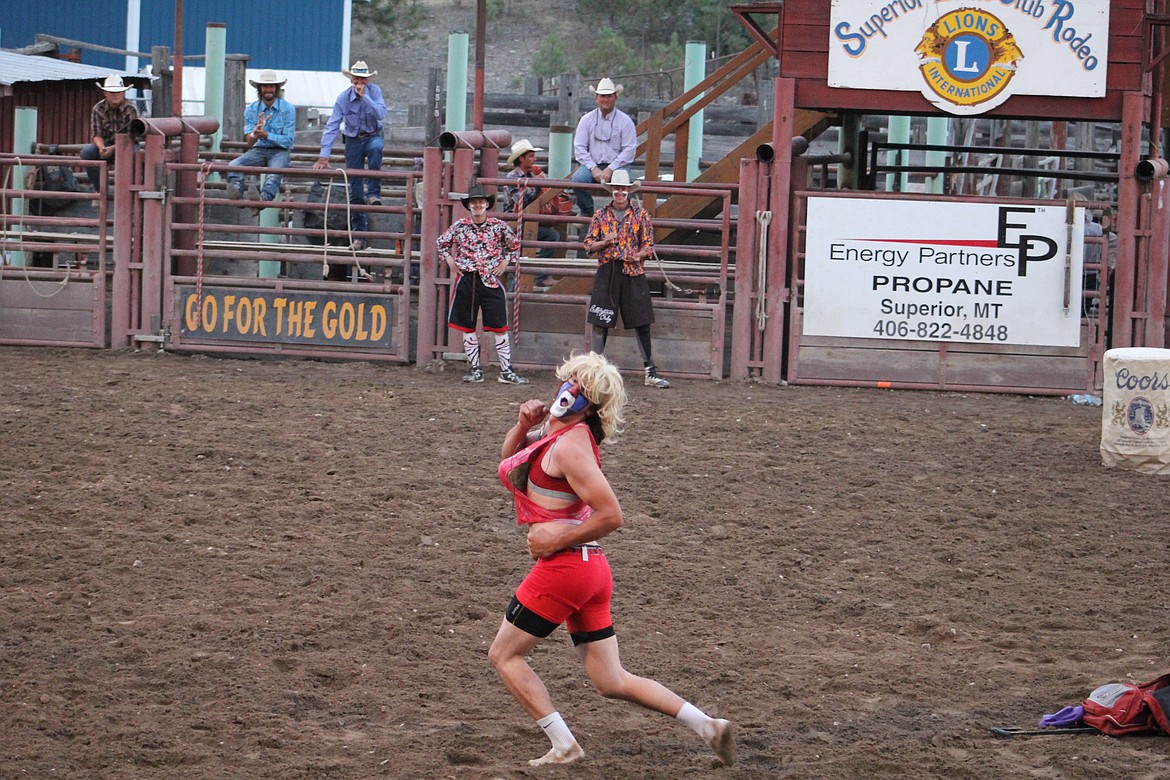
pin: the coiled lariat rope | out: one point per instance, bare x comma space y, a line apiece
362, 272
519, 256
764, 218
20, 229
204, 172
4, 223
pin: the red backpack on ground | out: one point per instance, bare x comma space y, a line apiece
1123, 708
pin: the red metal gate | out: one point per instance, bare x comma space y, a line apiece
54, 264
213, 275
693, 276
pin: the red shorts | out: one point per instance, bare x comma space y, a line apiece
567, 589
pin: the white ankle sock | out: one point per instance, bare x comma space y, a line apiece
557, 731
695, 718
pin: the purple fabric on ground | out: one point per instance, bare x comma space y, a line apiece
1066, 717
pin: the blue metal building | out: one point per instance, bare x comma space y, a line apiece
290, 35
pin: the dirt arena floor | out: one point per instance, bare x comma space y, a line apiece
218, 568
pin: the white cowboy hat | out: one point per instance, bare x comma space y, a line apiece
621, 179
267, 77
607, 87
112, 84
360, 69
523, 146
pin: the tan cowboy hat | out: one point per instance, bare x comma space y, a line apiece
360, 69
621, 179
267, 77
523, 146
607, 87
112, 84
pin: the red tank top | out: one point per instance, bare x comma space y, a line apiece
522, 472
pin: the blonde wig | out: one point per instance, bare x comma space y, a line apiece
602, 385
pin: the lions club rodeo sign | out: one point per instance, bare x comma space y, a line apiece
943, 271
969, 56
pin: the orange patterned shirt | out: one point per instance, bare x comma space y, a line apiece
634, 233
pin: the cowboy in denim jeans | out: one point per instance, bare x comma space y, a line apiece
270, 125
362, 108
606, 141
112, 115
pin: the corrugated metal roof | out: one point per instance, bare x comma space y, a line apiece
15, 68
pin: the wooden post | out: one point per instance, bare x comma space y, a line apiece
653, 158
765, 106
236, 96
1129, 206
430, 294
776, 294
1084, 144
177, 59
568, 110
848, 143
1157, 266
434, 123
753, 190
480, 57
127, 251
161, 82
154, 253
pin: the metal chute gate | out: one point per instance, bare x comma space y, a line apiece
692, 274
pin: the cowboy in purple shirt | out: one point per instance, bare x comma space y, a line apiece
362, 108
606, 141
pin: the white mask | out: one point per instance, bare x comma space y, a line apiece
570, 400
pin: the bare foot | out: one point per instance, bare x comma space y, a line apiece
723, 742
554, 756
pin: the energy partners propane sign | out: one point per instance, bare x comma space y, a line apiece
969, 56
943, 271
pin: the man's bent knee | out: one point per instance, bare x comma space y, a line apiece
611, 686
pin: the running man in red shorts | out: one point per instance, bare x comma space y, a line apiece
554, 472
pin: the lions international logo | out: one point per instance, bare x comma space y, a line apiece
967, 59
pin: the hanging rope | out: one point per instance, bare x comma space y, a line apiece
662, 268
362, 272
20, 229
519, 207
764, 218
204, 171
3, 245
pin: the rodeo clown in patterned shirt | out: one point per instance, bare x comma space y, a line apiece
477, 251
622, 237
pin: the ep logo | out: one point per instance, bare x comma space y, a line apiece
1032, 248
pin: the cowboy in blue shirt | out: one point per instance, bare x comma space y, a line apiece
362, 108
270, 125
